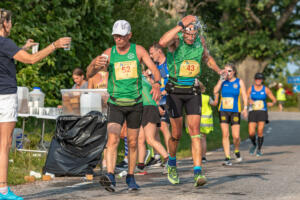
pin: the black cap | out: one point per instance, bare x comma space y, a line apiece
259, 76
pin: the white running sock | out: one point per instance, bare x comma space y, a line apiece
4, 190
126, 160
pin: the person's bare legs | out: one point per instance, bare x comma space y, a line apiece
114, 131
225, 139
166, 133
236, 137
280, 107
251, 131
132, 137
6, 130
260, 137
194, 130
203, 144
141, 146
176, 124
150, 131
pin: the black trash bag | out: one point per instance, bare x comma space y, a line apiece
77, 145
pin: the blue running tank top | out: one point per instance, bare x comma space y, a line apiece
259, 98
230, 96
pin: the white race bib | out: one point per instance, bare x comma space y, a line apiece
189, 68
126, 70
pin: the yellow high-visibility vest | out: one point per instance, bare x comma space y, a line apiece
280, 95
207, 123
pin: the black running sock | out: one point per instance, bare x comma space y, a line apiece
253, 139
260, 141
141, 166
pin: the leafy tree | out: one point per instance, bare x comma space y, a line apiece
253, 34
89, 24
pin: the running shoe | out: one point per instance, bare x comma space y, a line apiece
227, 162
155, 163
148, 153
252, 149
204, 160
172, 174
10, 196
122, 165
199, 180
130, 181
108, 182
238, 157
140, 170
259, 153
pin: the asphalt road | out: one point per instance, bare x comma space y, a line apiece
274, 176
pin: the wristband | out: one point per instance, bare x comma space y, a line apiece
158, 82
181, 24
245, 107
53, 45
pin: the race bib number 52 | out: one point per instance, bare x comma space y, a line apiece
126, 70
189, 68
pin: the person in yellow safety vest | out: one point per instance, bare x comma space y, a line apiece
280, 97
206, 122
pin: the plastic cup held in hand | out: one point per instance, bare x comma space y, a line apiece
68, 46
35, 48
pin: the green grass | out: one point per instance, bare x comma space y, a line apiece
24, 162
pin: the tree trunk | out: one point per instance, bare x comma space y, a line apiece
247, 68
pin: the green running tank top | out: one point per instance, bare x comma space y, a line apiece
184, 63
125, 77
146, 96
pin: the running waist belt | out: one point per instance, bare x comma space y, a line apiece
125, 101
171, 88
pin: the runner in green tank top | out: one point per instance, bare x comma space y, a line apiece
124, 86
186, 50
149, 127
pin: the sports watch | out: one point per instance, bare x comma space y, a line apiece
181, 24
159, 82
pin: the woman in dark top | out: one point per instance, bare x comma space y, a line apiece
79, 79
9, 52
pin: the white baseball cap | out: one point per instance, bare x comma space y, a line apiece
121, 27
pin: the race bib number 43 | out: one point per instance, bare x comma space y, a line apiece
189, 68
126, 70
227, 102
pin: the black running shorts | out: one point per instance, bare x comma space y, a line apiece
232, 118
258, 116
150, 115
191, 103
132, 115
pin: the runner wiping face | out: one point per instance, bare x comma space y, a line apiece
190, 34
230, 72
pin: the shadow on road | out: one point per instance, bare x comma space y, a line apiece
230, 178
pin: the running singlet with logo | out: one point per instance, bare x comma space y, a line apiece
184, 63
125, 76
259, 99
230, 96
146, 96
